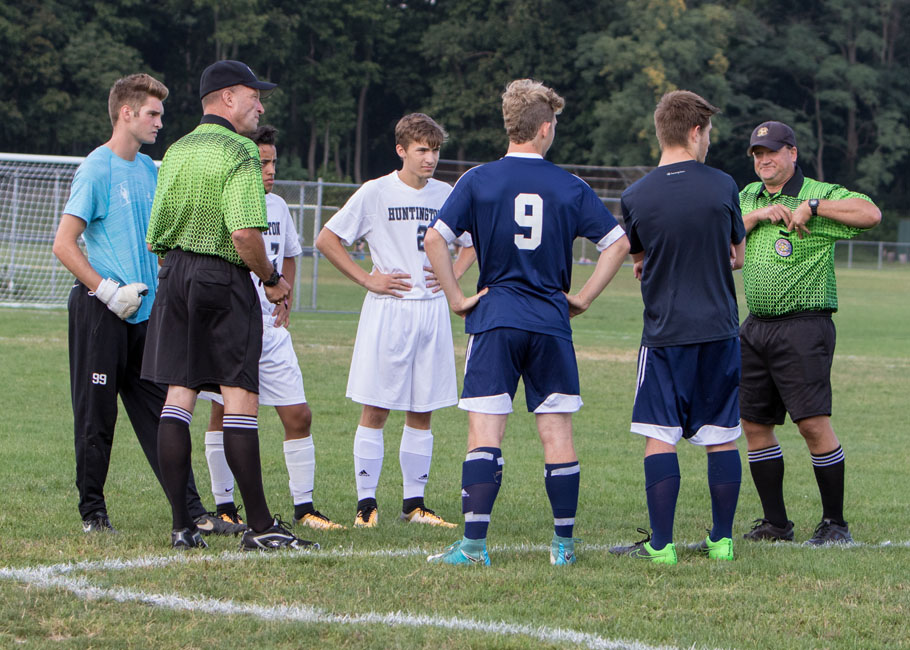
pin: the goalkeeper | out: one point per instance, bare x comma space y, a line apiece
109, 206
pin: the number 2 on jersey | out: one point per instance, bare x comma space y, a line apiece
529, 214
421, 233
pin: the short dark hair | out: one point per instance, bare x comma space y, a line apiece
677, 113
418, 127
265, 134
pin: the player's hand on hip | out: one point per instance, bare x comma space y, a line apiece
123, 301
388, 284
282, 314
465, 305
430, 280
636, 271
578, 306
279, 293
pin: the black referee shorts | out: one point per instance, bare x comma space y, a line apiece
205, 330
786, 367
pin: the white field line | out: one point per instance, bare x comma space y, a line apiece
56, 576
52, 577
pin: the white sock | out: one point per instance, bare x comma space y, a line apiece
222, 477
415, 454
368, 452
300, 458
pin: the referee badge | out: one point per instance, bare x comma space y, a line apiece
783, 247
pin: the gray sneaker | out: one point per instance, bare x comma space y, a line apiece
97, 522
183, 539
764, 529
827, 532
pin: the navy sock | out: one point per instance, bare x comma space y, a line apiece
562, 480
725, 474
662, 489
481, 476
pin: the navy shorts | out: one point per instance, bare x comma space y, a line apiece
689, 391
497, 358
205, 330
786, 367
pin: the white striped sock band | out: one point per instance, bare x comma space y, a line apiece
565, 521
471, 517
177, 413
831, 458
240, 421
768, 453
562, 471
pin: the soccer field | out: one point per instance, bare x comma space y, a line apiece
373, 588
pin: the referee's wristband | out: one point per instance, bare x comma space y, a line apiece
273, 279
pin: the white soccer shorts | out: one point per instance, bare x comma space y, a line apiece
280, 380
404, 359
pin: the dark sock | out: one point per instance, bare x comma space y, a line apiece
363, 503
407, 505
241, 450
725, 474
562, 481
229, 509
767, 469
829, 474
662, 489
301, 509
174, 449
481, 476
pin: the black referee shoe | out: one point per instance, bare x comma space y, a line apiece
97, 522
273, 539
828, 532
183, 539
762, 529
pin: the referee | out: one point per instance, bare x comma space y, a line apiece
205, 330
787, 340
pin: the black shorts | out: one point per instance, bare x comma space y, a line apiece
786, 367
205, 330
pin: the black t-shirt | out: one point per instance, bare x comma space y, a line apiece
684, 217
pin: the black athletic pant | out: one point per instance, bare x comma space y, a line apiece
105, 360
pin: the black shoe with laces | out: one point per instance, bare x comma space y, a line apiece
275, 538
97, 522
183, 539
367, 514
764, 529
828, 532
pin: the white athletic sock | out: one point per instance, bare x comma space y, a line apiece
368, 452
300, 458
415, 454
222, 477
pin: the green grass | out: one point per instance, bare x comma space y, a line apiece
771, 596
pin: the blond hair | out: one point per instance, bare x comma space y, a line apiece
677, 113
417, 127
133, 91
526, 104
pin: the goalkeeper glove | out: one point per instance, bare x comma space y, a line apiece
123, 301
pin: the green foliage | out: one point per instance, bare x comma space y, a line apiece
834, 69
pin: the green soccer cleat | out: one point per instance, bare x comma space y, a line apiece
562, 550
722, 549
644, 551
464, 551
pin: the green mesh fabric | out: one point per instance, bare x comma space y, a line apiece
209, 185
784, 274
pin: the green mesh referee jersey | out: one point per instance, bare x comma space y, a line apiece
784, 274
209, 185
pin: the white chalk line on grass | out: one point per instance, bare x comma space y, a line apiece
52, 577
58, 576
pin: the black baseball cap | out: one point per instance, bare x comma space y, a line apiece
772, 135
222, 74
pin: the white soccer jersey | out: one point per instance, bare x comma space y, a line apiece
393, 217
281, 241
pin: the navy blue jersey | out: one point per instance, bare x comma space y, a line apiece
524, 213
684, 217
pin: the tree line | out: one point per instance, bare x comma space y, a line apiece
835, 70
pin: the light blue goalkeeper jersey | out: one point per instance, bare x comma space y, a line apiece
114, 198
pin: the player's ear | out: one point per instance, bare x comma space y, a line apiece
125, 113
401, 151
